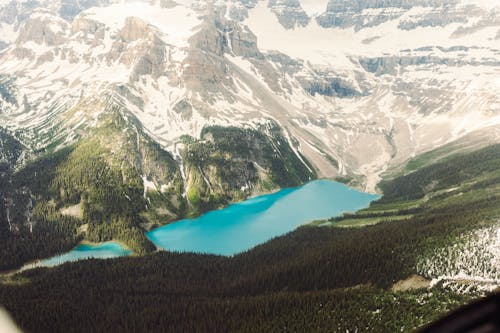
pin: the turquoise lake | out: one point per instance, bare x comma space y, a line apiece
86, 251
241, 226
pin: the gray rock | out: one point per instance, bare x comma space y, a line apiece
341, 13
237, 11
185, 109
289, 13
39, 29
8, 91
439, 18
391, 64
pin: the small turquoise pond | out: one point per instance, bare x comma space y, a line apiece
86, 251
241, 226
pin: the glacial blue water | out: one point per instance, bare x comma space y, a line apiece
86, 251
241, 226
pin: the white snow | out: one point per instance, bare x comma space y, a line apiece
247, 66
177, 23
148, 185
482, 3
312, 43
8, 34
314, 8
8, 218
335, 46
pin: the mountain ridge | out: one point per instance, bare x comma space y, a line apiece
220, 70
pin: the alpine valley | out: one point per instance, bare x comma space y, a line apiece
118, 117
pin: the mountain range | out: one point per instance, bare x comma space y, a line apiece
120, 116
356, 87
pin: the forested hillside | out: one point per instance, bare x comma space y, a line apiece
313, 279
100, 177
480, 167
116, 183
229, 164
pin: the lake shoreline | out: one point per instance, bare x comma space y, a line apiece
323, 198
260, 214
38, 263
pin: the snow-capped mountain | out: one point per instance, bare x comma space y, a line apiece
357, 86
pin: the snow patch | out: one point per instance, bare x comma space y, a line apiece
482, 3
314, 8
148, 185
471, 263
177, 23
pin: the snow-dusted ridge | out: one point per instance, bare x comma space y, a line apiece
471, 263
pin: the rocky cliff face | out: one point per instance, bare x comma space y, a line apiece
14, 14
230, 163
10, 149
368, 13
43, 29
289, 13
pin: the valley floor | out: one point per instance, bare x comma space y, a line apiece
373, 278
